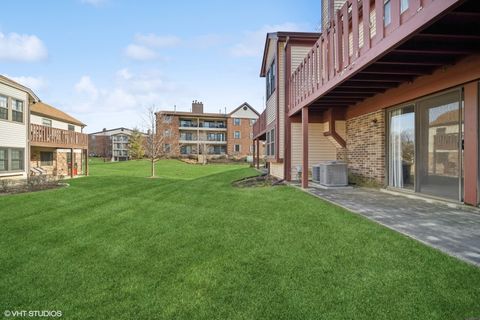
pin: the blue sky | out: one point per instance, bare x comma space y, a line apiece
106, 61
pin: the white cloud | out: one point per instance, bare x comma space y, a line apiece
156, 41
34, 83
129, 92
124, 74
138, 52
253, 42
95, 3
22, 47
145, 46
86, 86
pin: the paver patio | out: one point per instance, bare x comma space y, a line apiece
452, 229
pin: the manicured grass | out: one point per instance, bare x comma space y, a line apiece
117, 245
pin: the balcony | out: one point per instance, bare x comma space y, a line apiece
43, 136
260, 125
371, 46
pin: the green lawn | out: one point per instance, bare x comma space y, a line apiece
188, 245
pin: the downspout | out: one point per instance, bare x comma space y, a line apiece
332, 134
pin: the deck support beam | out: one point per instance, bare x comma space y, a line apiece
258, 153
471, 143
305, 147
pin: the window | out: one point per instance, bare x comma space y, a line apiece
16, 162
251, 148
46, 122
17, 110
167, 133
71, 127
403, 5
167, 119
11, 159
252, 121
236, 148
167, 148
46, 158
388, 12
236, 121
3, 107
3, 159
236, 134
270, 143
270, 77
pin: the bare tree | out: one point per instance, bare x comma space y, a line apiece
162, 140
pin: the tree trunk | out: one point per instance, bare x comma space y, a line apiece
153, 167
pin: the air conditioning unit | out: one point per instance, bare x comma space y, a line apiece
331, 174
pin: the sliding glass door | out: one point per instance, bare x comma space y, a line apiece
425, 146
440, 134
401, 146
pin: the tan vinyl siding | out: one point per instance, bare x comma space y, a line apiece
341, 128
276, 170
14, 134
271, 109
319, 147
271, 105
298, 55
37, 119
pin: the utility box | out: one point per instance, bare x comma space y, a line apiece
331, 174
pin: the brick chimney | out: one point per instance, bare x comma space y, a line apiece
197, 106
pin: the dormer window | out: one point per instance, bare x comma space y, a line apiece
271, 74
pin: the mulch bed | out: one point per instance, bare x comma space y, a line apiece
257, 181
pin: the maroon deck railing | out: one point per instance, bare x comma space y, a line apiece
52, 137
357, 35
260, 125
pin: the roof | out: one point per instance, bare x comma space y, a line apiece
19, 86
191, 114
282, 35
115, 129
445, 119
46, 110
244, 104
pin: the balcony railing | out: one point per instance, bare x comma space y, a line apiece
52, 137
259, 126
360, 32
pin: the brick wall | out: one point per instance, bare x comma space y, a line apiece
173, 139
366, 148
245, 141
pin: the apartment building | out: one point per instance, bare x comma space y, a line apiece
390, 87
36, 138
15, 101
212, 134
112, 144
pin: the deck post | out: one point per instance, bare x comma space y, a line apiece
305, 147
471, 141
72, 161
258, 153
86, 162
254, 153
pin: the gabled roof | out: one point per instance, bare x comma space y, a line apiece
46, 110
241, 106
282, 35
123, 129
18, 86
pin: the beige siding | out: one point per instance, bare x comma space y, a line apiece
271, 108
36, 119
319, 147
276, 170
341, 128
298, 54
14, 134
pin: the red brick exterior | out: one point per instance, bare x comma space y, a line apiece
246, 142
